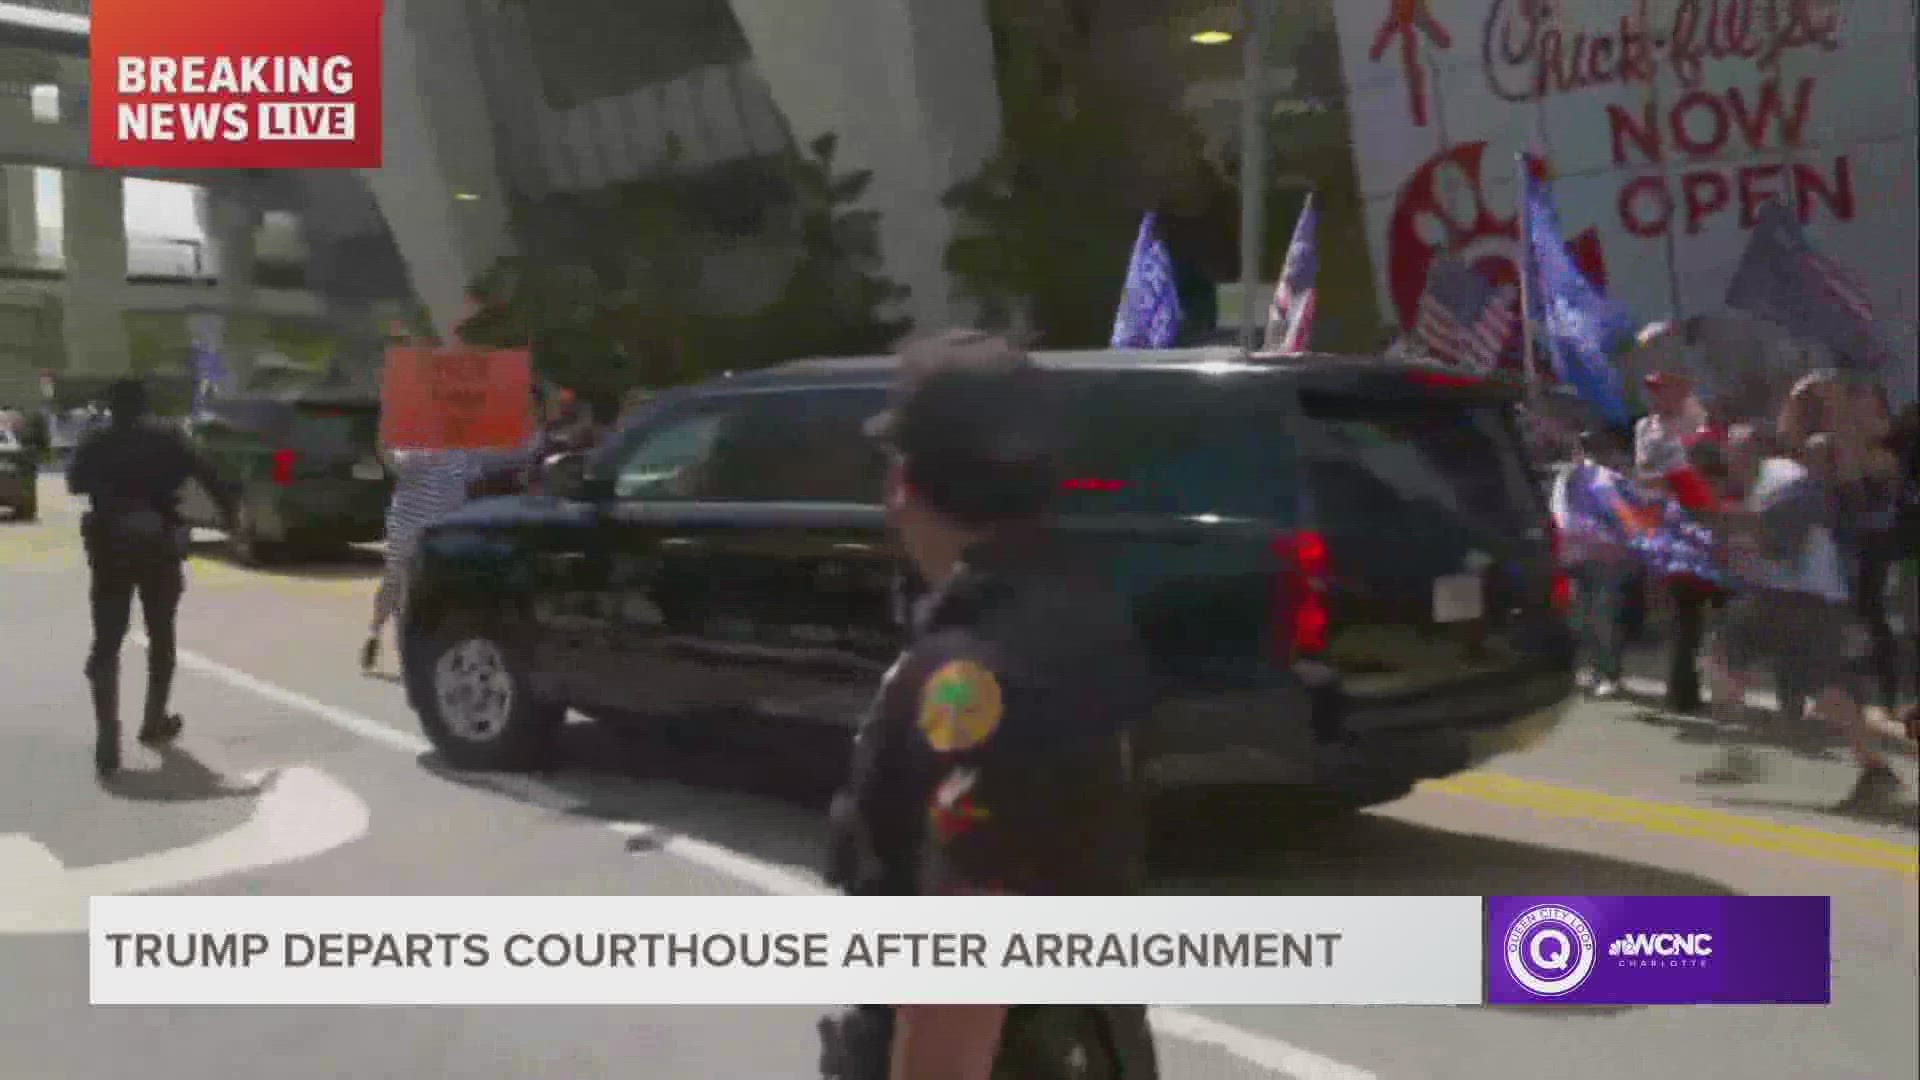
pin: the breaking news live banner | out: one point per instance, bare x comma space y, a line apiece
831, 950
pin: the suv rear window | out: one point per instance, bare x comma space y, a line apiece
342, 432
1176, 443
1426, 465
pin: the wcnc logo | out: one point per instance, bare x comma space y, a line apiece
1663, 949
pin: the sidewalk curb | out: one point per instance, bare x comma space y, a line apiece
1886, 728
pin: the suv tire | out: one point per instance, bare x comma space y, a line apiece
246, 544
475, 701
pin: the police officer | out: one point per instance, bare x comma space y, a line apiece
995, 756
132, 469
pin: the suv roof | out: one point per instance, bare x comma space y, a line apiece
1220, 360
325, 398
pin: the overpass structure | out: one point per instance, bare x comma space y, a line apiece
43, 124
473, 119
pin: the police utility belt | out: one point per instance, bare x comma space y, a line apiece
135, 533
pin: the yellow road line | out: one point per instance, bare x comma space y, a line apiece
1691, 822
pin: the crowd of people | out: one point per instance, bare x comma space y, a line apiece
1769, 541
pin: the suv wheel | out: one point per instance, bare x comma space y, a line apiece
243, 538
476, 702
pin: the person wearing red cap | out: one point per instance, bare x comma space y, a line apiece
1662, 461
1675, 415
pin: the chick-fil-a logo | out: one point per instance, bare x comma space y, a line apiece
1531, 52
1445, 208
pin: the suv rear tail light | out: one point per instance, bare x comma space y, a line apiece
1445, 380
1301, 616
1562, 595
283, 462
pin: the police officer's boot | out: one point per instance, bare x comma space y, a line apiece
159, 727
104, 681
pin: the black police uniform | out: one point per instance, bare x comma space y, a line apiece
995, 759
136, 543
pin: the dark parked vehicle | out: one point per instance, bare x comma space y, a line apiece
19, 477
305, 467
1342, 567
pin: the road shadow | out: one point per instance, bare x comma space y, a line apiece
181, 777
343, 563
1240, 848
1752, 728
761, 795
1899, 812
764, 799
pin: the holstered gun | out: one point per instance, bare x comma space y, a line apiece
857, 1044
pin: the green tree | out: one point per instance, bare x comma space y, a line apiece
607, 295
1046, 226
834, 300
610, 292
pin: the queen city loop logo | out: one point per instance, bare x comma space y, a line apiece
1550, 950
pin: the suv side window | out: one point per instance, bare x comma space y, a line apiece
802, 445
674, 458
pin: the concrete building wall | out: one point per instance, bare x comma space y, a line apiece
439, 187
95, 242
909, 88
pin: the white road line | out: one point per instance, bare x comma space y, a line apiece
301, 812
1281, 1058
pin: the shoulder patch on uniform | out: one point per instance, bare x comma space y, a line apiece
960, 706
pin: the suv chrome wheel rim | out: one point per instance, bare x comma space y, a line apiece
474, 690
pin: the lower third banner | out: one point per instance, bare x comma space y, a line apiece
1659, 950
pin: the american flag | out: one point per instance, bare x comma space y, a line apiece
1463, 319
1781, 278
1290, 318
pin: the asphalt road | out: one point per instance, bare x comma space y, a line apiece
280, 722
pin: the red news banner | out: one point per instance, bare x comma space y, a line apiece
235, 84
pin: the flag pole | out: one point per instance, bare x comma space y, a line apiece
1253, 167
1527, 359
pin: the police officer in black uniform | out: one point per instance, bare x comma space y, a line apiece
132, 469
995, 757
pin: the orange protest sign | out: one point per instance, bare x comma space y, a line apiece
456, 399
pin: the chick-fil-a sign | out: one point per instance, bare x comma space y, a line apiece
1531, 50
1668, 123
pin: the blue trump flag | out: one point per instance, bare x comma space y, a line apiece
1579, 328
1149, 315
209, 375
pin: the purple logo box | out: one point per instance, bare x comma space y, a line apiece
1659, 950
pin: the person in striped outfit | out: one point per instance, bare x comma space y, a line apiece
428, 485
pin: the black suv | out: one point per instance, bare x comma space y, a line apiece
19, 476
305, 466
1343, 570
